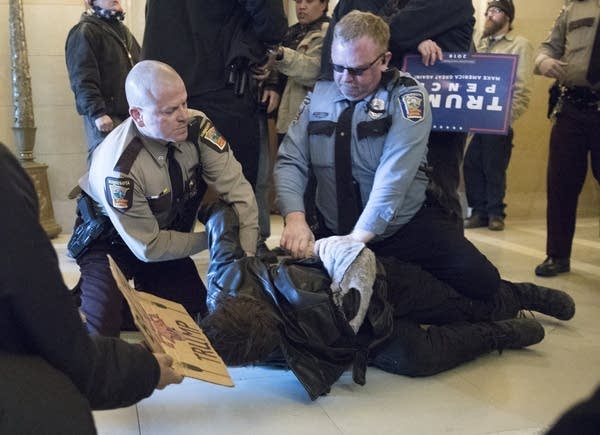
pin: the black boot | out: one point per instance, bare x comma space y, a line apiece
555, 303
515, 333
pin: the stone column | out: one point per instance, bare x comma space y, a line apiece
24, 124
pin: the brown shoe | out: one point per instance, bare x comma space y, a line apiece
476, 221
496, 223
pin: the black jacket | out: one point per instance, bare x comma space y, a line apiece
448, 23
199, 38
316, 341
99, 55
38, 316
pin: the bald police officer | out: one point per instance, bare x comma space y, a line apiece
365, 135
571, 55
143, 191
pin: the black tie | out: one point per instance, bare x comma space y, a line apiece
593, 74
346, 188
174, 174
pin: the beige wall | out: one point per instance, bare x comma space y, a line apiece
61, 144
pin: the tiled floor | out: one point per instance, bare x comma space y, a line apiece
518, 392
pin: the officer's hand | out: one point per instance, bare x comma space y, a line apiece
270, 97
430, 52
553, 68
104, 123
297, 237
167, 374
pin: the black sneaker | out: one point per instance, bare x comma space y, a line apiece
553, 266
516, 333
555, 303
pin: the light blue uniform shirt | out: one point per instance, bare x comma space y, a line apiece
390, 130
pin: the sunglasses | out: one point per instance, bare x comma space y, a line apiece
354, 71
493, 10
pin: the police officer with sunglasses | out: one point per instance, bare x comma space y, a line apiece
364, 135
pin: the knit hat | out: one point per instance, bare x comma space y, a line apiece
505, 6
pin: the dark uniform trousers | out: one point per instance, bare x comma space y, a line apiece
445, 156
104, 307
574, 136
486, 162
432, 240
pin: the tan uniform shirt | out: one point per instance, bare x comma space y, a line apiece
138, 202
571, 40
514, 44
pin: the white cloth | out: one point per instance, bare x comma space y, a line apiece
350, 265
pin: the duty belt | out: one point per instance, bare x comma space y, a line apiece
581, 97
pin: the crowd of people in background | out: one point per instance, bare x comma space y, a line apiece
177, 131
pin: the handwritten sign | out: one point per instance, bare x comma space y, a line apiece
468, 92
168, 328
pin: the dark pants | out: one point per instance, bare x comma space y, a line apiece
243, 123
484, 171
101, 301
236, 118
35, 398
432, 241
445, 156
574, 136
459, 328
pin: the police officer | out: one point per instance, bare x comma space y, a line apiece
145, 182
428, 28
364, 135
571, 55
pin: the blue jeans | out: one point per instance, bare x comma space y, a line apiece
484, 171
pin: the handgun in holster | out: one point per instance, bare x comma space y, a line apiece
92, 226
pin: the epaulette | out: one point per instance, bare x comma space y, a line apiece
393, 77
194, 129
407, 81
129, 155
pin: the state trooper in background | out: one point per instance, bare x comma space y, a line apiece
571, 55
365, 135
141, 197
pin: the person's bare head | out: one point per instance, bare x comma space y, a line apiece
157, 101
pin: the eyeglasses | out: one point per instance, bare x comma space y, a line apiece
494, 10
355, 71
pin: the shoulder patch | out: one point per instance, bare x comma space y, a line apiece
412, 105
211, 137
119, 193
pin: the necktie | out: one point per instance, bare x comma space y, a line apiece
593, 74
175, 174
346, 188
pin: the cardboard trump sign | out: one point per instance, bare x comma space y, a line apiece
168, 328
468, 92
